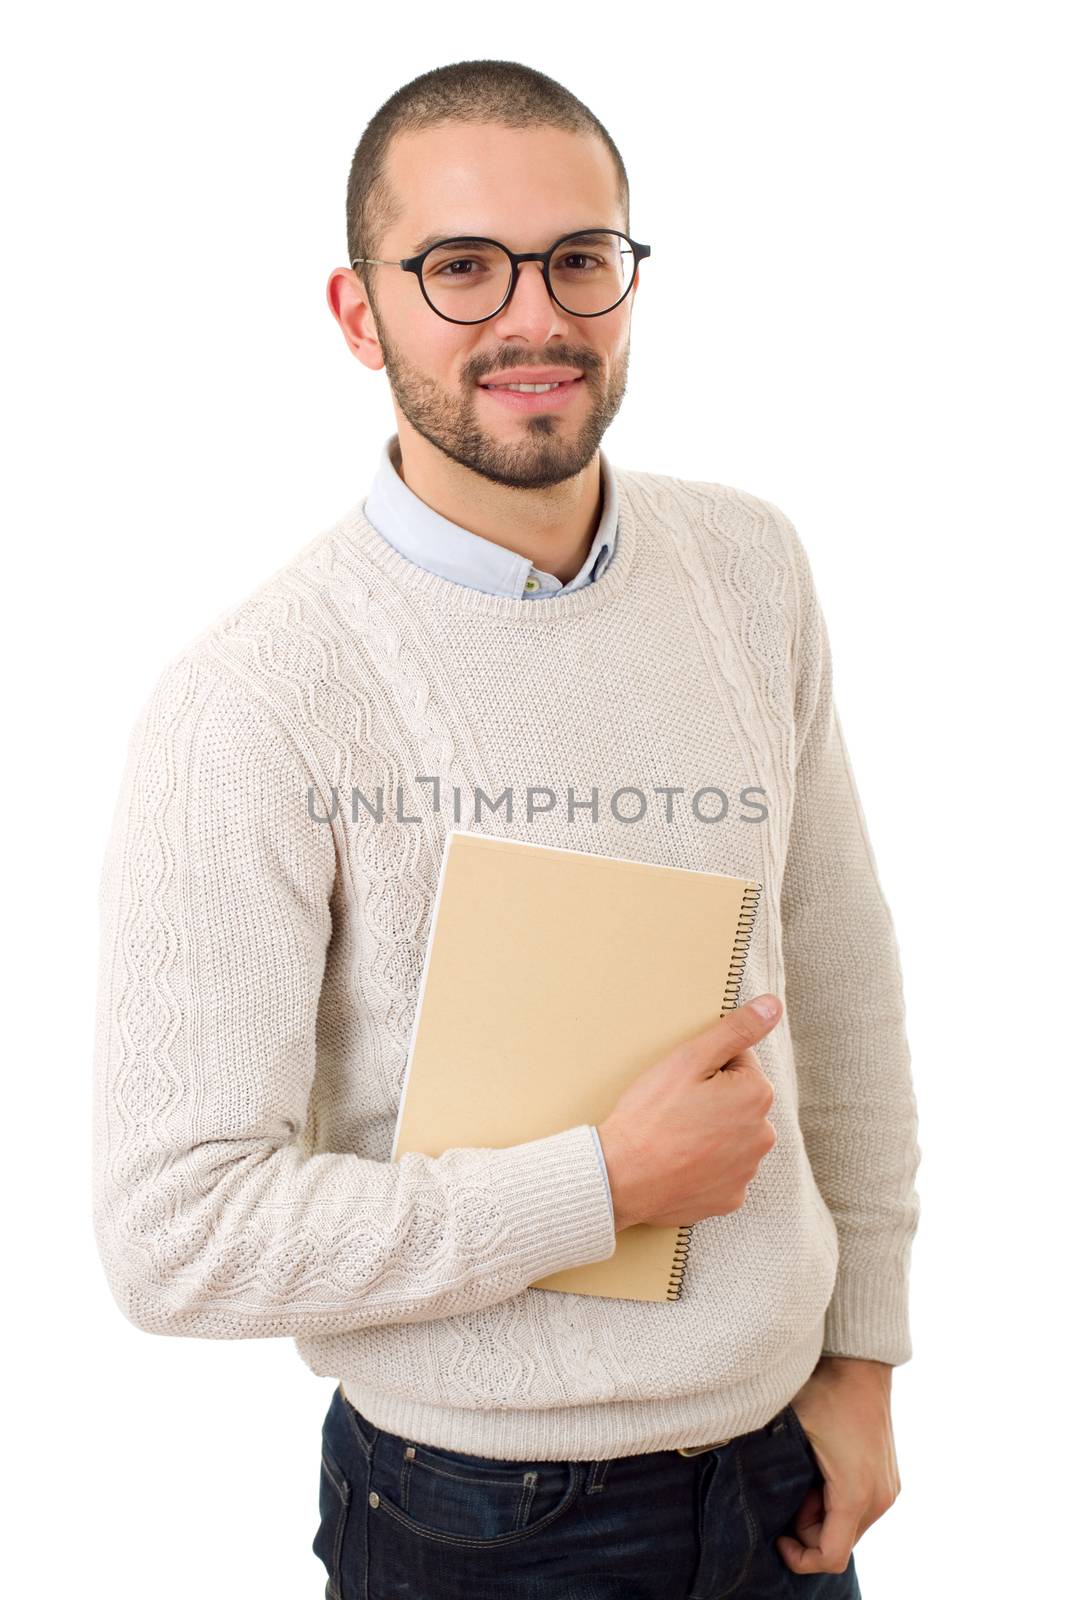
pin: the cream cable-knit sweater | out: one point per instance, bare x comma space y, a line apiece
259, 971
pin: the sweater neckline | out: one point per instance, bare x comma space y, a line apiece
448, 595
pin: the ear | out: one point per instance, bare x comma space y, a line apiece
346, 297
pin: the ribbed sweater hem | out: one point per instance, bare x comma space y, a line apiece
596, 1432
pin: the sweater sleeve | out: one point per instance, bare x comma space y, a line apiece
214, 1216
846, 1017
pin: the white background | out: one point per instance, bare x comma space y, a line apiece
853, 308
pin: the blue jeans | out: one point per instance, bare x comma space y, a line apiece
399, 1518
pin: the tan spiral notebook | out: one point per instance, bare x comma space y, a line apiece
552, 978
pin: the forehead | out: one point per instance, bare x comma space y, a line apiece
525, 186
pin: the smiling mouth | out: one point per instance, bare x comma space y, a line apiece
534, 388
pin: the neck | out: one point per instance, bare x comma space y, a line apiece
551, 526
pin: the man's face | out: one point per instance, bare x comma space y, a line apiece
526, 188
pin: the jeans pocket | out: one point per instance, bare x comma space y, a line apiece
473, 1501
335, 1494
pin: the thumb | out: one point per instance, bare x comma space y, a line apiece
735, 1032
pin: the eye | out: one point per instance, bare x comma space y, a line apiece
444, 262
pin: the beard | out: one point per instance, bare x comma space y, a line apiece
548, 446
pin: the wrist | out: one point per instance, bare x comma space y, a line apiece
856, 1369
615, 1153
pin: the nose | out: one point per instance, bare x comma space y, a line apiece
531, 309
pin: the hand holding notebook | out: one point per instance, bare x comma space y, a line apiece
686, 1138
552, 979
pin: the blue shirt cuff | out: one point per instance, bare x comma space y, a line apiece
603, 1167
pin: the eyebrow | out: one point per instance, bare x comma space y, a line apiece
438, 238
465, 238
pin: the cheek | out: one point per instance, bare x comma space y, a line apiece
453, 354
612, 342
440, 352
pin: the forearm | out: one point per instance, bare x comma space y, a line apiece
845, 1012
272, 1243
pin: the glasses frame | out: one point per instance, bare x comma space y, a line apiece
415, 263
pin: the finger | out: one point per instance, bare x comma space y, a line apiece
735, 1032
808, 1521
831, 1554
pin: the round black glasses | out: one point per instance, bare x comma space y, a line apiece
470, 279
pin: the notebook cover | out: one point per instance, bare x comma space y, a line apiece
552, 978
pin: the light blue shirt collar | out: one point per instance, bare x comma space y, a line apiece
433, 542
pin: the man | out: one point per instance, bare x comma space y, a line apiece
505, 613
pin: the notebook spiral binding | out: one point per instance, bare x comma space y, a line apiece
678, 1265
742, 939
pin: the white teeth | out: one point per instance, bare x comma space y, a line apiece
524, 388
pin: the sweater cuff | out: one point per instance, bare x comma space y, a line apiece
560, 1211
868, 1317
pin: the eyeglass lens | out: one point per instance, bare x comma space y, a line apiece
468, 281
